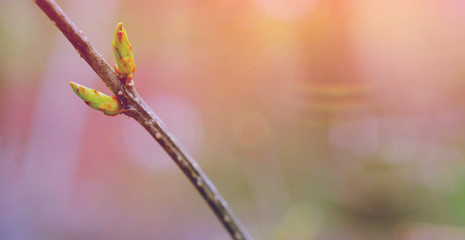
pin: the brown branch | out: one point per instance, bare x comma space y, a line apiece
137, 109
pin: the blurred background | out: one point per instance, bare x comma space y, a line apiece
316, 119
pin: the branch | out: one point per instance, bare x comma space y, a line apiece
137, 109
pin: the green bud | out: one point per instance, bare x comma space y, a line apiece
125, 66
97, 100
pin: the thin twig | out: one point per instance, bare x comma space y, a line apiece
137, 109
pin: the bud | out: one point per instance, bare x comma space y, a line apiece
125, 66
97, 100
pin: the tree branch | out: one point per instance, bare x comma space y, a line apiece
137, 109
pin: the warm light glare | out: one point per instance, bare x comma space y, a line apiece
316, 119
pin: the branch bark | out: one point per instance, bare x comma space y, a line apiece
137, 109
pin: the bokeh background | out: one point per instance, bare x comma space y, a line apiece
316, 119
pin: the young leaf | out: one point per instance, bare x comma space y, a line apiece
125, 66
97, 100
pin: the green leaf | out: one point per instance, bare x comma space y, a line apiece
125, 66
97, 100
